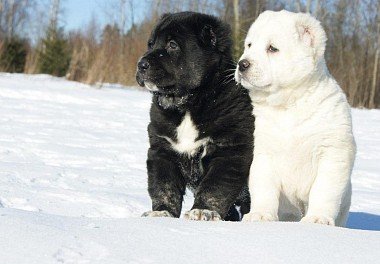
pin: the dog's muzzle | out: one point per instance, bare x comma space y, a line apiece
142, 68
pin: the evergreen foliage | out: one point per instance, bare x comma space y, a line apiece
54, 55
13, 55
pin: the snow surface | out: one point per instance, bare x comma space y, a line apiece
73, 185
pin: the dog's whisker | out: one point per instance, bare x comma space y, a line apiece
228, 78
232, 71
232, 63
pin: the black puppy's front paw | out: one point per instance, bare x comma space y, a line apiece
157, 214
202, 215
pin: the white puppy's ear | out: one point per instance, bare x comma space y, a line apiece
311, 34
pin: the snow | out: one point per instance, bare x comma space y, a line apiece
73, 185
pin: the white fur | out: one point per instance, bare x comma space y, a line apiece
304, 146
187, 134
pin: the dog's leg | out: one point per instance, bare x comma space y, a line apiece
225, 176
202, 215
341, 220
166, 185
264, 188
331, 190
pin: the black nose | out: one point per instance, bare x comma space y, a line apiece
243, 65
143, 65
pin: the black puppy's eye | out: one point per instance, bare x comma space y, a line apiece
150, 44
272, 49
172, 45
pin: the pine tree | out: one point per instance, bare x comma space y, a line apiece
54, 55
13, 55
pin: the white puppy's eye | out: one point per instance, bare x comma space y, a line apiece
272, 49
249, 45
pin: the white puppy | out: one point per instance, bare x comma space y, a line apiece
304, 146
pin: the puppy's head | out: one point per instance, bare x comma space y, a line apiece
183, 51
282, 50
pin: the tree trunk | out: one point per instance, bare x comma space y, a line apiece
11, 18
122, 16
54, 14
236, 28
298, 6
374, 81
316, 9
1, 14
376, 63
308, 6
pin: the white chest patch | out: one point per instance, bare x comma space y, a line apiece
187, 134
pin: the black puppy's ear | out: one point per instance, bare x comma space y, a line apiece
208, 36
165, 15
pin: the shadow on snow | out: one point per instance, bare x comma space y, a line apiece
363, 221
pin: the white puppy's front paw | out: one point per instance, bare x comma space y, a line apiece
157, 214
202, 215
259, 217
323, 220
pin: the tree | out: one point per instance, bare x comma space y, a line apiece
14, 14
376, 62
13, 55
236, 32
13, 52
54, 56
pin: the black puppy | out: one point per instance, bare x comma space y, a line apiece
201, 129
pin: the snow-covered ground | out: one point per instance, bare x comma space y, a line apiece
73, 184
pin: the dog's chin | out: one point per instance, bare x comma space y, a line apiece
168, 97
257, 86
171, 98
246, 84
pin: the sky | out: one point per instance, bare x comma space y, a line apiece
77, 13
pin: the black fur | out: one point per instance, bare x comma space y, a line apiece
197, 77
